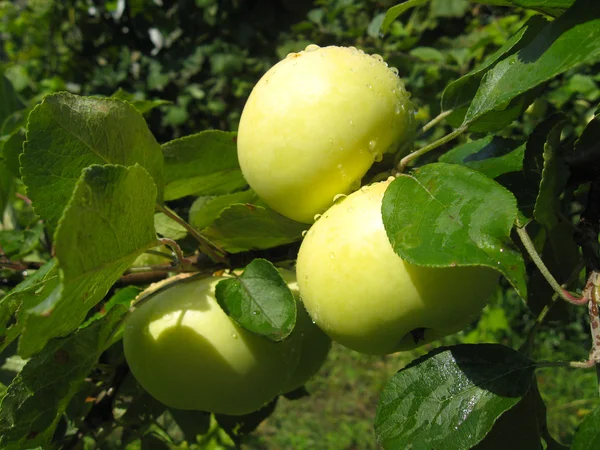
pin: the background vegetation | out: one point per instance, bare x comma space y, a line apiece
191, 65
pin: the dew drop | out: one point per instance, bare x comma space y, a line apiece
372, 144
350, 209
501, 250
314, 323
394, 71
291, 55
317, 217
255, 313
377, 57
350, 122
353, 69
369, 86
235, 336
339, 197
377, 157
331, 255
355, 185
304, 233
311, 48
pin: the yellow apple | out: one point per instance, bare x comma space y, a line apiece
364, 296
315, 123
187, 353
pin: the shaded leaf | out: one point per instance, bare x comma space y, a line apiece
463, 218
67, 133
206, 209
259, 300
491, 155
202, 164
7, 182
551, 7
451, 397
33, 404
587, 436
106, 225
11, 150
585, 159
549, 54
247, 227
169, 228
9, 100
19, 243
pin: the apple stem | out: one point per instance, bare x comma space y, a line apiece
206, 246
562, 293
433, 122
441, 141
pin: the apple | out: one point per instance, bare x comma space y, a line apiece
316, 122
365, 297
187, 353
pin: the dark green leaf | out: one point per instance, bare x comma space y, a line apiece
460, 92
123, 297
394, 12
106, 225
585, 159
492, 155
202, 164
555, 174
206, 209
18, 243
246, 227
449, 8
40, 393
259, 300
549, 54
11, 150
464, 219
7, 182
9, 100
451, 397
551, 7
167, 227
587, 436
67, 133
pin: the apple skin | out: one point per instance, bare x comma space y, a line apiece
188, 354
313, 344
315, 123
365, 297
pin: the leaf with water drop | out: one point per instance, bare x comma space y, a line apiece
451, 397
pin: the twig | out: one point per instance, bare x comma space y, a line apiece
433, 122
414, 155
528, 244
175, 247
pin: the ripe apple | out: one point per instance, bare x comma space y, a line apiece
315, 123
364, 296
186, 352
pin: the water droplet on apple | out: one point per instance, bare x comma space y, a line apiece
350, 121
355, 185
235, 336
317, 217
331, 255
369, 86
377, 157
372, 144
304, 233
394, 71
377, 57
311, 48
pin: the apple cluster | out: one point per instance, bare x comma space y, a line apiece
313, 126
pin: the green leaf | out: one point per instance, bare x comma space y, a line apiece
11, 150
67, 133
142, 105
449, 8
460, 92
19, 243
206, 209
15, 306
587, 436
123, 297
106, 225
451, 397
202, 164
259, 300
167, 227
549, 54
555, 174
585, 159
464, 219
248, 227
492, 155
40, 393
394, 12
7, 182
551, 7
9, 100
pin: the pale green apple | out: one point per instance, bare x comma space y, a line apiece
187, 353
364, 296
315, 123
